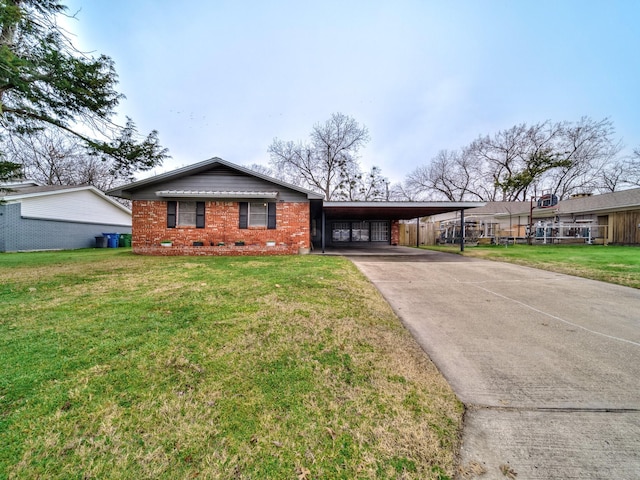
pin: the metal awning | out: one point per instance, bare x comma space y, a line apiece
215, 194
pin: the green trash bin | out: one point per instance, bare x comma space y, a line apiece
125, 239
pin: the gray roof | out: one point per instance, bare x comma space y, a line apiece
202, 167
26, 190
604, 203
507, 208
614, 201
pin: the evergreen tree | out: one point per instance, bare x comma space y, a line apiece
45, 83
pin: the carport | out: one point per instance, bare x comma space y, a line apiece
347, 224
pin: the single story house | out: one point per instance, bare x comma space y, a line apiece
36, 217
609, 218
215, 207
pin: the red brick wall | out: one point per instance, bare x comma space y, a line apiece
221, 225
395, 232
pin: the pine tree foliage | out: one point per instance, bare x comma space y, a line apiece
45, 83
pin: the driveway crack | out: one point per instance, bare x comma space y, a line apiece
476, 407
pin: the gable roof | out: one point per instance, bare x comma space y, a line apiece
24, 192
124, 191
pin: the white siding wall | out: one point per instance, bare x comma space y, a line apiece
78, 206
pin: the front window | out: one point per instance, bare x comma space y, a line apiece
187, 213
258, 214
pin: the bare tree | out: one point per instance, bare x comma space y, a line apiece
623, 173
262, 169
369, 187
633, 169
328, 161
586, 149
515, 159
401, 192
524, 161
452, 175
374, 186
613, 177
52, 157
502, 156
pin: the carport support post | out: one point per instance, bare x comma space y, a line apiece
418, 232
322, 233
462, 230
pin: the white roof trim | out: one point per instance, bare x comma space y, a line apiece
215, 194
14, 197
61, 191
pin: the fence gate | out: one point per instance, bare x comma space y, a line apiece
408, 231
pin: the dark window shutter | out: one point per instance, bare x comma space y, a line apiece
171, 214
199, 214
271, 215
244, 215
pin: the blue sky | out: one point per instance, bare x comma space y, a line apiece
223, 78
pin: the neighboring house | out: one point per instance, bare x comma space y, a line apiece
490, 221
218, 208
34, 217
608, 218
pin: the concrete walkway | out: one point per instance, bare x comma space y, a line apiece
548, 365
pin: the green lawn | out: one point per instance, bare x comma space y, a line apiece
613, 264
123, 366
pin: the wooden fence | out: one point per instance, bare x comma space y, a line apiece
625, 228
428, 234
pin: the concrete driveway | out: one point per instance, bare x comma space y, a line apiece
548, 365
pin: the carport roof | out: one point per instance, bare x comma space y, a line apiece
391, 210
